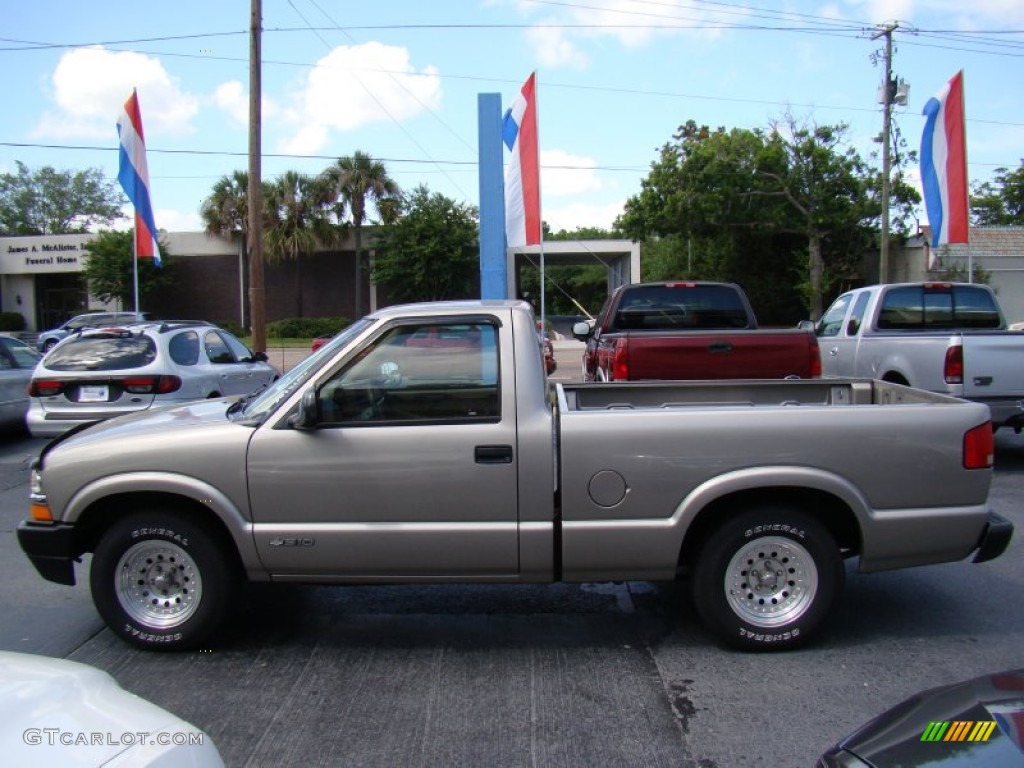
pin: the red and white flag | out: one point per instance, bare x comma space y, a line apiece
522, 176
133, 173
944, 164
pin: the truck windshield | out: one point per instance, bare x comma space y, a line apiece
938, 307
260, 406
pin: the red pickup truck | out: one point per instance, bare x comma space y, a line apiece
690, 330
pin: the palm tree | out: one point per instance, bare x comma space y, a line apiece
298, 209
225, 213
355, 182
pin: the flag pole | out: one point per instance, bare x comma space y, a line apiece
967, 194
540, 210
135, 261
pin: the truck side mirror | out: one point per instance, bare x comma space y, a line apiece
806, 325
582, 330
308, 415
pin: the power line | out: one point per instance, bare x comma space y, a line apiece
468, 164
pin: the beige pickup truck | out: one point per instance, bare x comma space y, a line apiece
423, 444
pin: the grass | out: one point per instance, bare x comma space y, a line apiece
274, 342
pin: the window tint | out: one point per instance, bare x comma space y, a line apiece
216, 350
103, 352
668, 307
961, 306
24, 357
184, 348
419, 373
14, 354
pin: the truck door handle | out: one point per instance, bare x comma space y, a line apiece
834, 351
493, 454
719, 346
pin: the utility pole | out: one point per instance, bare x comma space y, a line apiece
886, 31
257, 294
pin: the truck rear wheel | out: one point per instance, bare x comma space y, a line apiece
161, 580
766, 579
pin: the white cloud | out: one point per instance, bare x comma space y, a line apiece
167, 220
575, 215
233, 98
90, 86
565, 174
171, 220
354, 86
552, 48
631, 24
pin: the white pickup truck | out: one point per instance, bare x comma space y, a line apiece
944, 337
423, 444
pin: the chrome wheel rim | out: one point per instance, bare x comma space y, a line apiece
771, 582
158, 584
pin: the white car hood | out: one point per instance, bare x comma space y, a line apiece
58, 712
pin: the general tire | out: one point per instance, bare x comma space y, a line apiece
767, 578
161, 580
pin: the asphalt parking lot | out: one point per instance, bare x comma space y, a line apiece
534, 675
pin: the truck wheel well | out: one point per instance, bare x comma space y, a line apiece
100, 515
827, 509
896, 378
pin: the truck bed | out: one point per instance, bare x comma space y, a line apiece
745, 393
643, 456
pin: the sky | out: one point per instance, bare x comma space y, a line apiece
400, 80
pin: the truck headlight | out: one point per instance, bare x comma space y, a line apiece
35, 483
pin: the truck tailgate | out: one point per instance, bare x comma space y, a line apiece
993, 364
724, 355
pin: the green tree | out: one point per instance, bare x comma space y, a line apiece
225, 211
298, 221
826, 190
742, 204
52, 202
1000, 202
356, 182
570, 289
110, 274
431, 252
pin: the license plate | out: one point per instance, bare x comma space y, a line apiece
93, 393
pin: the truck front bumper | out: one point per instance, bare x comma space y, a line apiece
995, 538
52, 549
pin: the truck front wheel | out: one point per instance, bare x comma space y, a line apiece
766, 579
161, 581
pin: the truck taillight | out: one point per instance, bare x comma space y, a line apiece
815, 352
620, 361
953, 370
979, 447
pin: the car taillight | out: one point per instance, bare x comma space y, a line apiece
168, 384
620, 362
45, 387
151, 385
953, 370
979, 447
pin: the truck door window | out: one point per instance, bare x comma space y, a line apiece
418, 373
832, 321
857, 315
